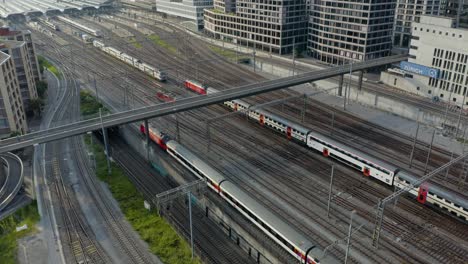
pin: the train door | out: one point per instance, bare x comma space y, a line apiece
289, 132
262, 119
325, 152
422, 194
235, 106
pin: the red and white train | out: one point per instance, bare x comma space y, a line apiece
368, 165
294, 242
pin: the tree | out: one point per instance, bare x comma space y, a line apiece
36, 105
41, 88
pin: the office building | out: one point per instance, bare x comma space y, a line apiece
191, 9
24, 69
409, 11
268, 25
353, 30
12, 116
452, 8
438, 44
24, 35
438, 61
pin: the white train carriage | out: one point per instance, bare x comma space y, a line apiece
273, 225
113, 51
94, 32
128, 59
194, 164
368, 165
290, 129
153, 72
98, 44
160, 75
236, 105
433, 194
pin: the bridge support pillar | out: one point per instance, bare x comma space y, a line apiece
340, 85
106, 143
361, 74
147, 140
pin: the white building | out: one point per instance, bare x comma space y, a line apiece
409, 11
438, 46
12, 115
191, 9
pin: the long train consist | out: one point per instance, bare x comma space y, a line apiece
148, 69
49, 24
356, 159
93, 32
302, 248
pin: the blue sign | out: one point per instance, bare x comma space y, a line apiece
419, 69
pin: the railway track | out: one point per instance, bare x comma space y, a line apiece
213, 246
396, 149
192, 129
80, 240
124, 239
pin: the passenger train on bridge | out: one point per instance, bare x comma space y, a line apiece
354, 158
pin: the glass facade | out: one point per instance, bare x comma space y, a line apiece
341, 31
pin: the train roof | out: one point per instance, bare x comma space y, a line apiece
436, 189
283, 121
196, 83
114, 49
267, 216
354, 151
214, 175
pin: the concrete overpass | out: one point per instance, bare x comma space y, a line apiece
186, 104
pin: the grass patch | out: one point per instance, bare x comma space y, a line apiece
160, 42
162, 239
45, 64
135, 43
228, 54
89, 105
8, 235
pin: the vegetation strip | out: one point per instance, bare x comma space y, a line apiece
162, 239
160, 42
27, 215
135, 43
229, 54
43, 63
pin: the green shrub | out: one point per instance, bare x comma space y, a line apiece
8, 235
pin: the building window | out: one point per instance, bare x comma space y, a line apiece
429, 91
454, 99
441, 95
417, 88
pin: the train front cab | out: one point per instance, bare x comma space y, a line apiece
422, 193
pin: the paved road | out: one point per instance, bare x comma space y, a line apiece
184, 105
13, 180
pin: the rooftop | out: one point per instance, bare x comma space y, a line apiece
26, 7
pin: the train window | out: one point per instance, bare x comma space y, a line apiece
456, 205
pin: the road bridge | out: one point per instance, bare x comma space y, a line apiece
186, 104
